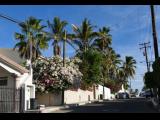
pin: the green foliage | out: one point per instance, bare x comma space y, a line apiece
56, 33
126, 85
150, 80
156, 65
83, 35
31, 35
128, 70
91, 67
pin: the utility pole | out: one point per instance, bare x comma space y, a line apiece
145, 46
154, 32
155, 44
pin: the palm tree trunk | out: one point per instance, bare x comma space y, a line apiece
103, 78
64, 53
54, 50
64, 50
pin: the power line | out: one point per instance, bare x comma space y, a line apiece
10, 18
145, 46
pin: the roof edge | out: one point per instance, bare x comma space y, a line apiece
13, 64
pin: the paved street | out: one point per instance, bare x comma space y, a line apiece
134, 105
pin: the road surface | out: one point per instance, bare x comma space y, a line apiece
134, 105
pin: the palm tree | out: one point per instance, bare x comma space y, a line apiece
111, 61
129, 67
104, 39
56, 34
116, 62
84, 35
32, 38
121, 78
110, 64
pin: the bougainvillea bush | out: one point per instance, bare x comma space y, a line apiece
50, 75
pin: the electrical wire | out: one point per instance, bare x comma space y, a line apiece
9, 18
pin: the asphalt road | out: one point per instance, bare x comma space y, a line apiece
134, 105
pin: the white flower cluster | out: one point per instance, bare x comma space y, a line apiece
49, 70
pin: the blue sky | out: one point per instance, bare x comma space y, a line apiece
130, 25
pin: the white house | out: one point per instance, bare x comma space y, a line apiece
107, 92
14, 77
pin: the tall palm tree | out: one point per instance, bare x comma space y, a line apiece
104, 39
32, 38
129, 67
84, 35
56, 33
116, 62
109, 65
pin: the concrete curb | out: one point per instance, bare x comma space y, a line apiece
56, 108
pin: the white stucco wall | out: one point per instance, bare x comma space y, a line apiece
70, 97
24, 79
107, 92
77, 96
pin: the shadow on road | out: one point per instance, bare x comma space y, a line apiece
134, 105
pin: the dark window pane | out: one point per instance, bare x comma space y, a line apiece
3, 81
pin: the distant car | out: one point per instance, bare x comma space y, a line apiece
142, 94
132, 95
146, 94
122, 95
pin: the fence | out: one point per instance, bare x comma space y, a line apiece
10, 101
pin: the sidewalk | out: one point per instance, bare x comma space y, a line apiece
51, 109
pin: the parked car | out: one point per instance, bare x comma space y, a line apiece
145, 94
142, 94
148, 94
122, 95
132, 95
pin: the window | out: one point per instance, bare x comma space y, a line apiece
3, 81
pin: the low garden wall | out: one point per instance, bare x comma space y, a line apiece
49, 99
72, 96
80, 95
